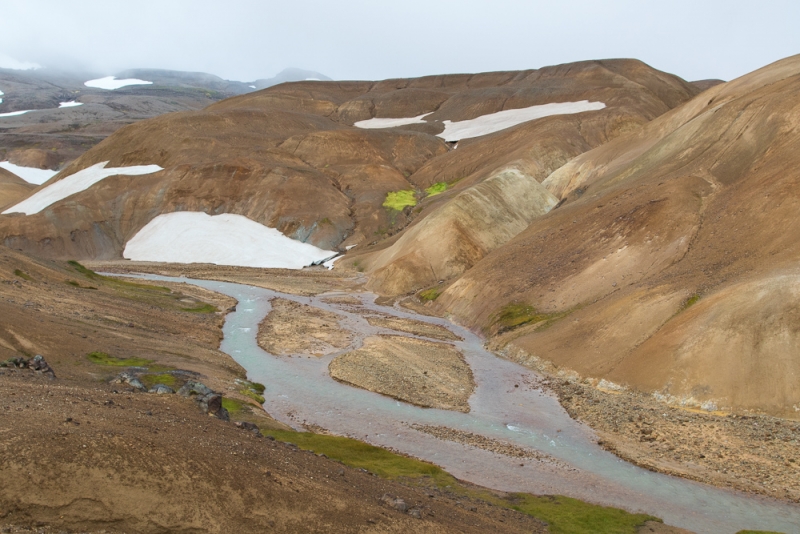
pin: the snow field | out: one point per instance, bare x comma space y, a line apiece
32, 175
15, 113
71, 104
390, 123
111, 83
75, 183
226, 239
491, 123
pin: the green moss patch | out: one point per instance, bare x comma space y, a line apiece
73, 283
201, 308
429, 294
23, 275
564, 515
571, 516
398, 200
102, 358
234, 407
161, 378
515, 315
437, 188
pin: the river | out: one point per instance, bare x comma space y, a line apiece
300, 391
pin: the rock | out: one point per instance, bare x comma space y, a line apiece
244, 425
396, 503
415, 513
136, 384
161, 389
212, 405
194, 388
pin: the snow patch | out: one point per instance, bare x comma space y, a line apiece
16, 113
494, 122
390, 123
71, 104
32, 175
75, 183
252, 86
226, 239
1, 94
7, 62
313, 79
111, 83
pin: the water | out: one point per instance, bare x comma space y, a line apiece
300, 391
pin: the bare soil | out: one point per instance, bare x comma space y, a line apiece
425, 373
410, 326
293, 328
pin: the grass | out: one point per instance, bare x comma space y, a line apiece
253, 395
73, 283
201, 308
437, 188
102, 358
564, 515
23, 275
429, 294
398, 200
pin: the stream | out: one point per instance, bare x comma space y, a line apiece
299, 391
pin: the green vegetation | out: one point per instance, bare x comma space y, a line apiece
437, 188
233, 406
564, 515
102, 358
515, 315
161, 378
430, 294
691, 301
73, 283
571, 516
23, 275
398, 200
202, 307
254, 390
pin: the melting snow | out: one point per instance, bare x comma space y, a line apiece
491, 123
75, 183
1, 94
111, 83
32, 175
71, 104
15, 113
251, 86
390, 123
494, 122
226, 239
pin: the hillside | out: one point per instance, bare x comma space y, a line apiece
290, 158
670, 263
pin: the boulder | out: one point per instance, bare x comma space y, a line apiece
161, 389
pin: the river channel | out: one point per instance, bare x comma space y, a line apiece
300, 391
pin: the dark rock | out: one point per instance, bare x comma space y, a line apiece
396, 503
194, 388
415, 513
247, 426
212, 405
161, 389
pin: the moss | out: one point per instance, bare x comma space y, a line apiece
688, 303
430, 294
514, 315
102, 358
571, 516
564, 515
437, 188
23, 275
201, 308
73, 283
233, 406
161, 378
253, 395
258, 388
398, 200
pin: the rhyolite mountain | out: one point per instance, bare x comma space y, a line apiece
650, 242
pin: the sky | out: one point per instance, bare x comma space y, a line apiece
376, 39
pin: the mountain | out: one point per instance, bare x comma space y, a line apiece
670, 264
12, 188
289, 157
63, 117
290, 75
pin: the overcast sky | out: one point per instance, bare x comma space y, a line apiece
376, 39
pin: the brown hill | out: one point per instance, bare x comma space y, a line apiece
288, 157
671, 263
12, 189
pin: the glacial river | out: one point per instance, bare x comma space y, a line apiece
300, 391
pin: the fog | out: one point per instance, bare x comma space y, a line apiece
359, 39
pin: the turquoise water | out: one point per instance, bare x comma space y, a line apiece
300, 391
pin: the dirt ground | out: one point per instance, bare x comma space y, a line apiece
753, 453
81, 454
293, 328
425, 373
409, 326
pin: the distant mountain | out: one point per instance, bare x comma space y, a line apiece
57, 114
290, 75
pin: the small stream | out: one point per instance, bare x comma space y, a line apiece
300, 391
